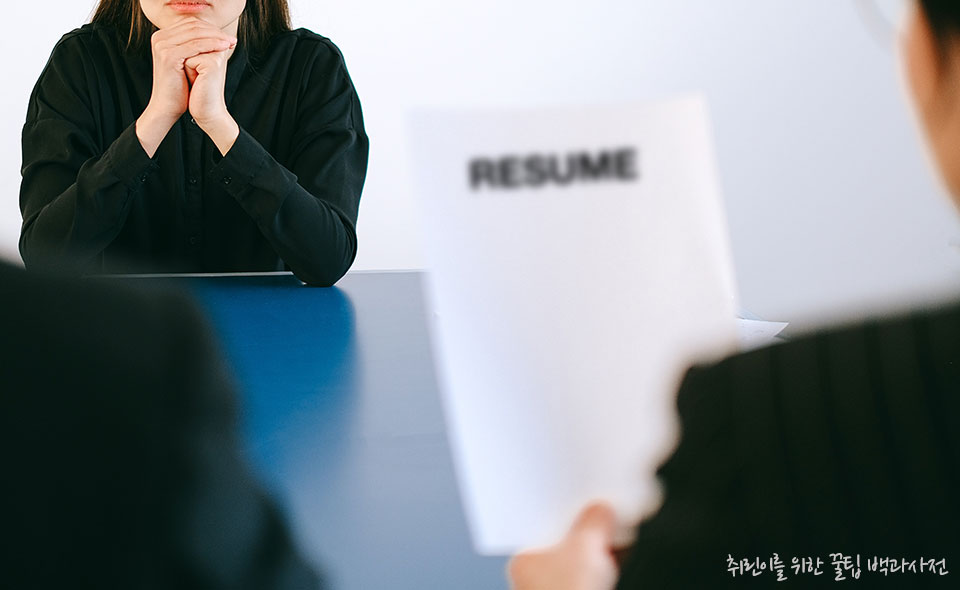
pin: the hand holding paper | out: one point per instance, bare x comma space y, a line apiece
583, 560
577, 263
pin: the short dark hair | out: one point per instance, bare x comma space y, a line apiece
260, 21
944, 17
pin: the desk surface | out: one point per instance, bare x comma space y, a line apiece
344, 424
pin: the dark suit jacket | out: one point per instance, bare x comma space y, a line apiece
843, 442
118, 448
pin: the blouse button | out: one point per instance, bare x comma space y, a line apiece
227, 180
193, 240
143, 178
193, 181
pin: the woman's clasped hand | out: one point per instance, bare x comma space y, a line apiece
189, 74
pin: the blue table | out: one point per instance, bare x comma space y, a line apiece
344, 424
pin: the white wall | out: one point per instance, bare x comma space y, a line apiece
830, 201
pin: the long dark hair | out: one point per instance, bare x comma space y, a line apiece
260, 21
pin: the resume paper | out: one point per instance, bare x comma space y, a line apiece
577, 263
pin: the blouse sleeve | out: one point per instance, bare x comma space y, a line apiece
75, 193
308, 208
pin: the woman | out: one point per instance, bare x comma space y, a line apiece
832, 453
193, 136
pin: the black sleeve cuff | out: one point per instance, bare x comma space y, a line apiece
127, 160
248, 165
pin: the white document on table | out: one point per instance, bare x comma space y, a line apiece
755, 334
578, 262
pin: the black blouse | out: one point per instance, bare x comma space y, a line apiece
284, 197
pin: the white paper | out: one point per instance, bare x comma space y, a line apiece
757, 334
565, 315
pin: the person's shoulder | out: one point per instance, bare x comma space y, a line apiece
98, 293
305, 46
79, 35
303, 39
919, 345
109, 335
91, 36
82, 52
86, 308
907, 329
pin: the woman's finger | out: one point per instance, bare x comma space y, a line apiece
581, 561
185, 24
192, 36
191, 71
198, 47
596, 524
189, 31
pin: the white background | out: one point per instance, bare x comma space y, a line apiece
831, 204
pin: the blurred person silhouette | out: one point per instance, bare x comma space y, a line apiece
119, 448
842, 444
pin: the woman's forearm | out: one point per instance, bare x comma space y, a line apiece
306, 212
152, 127
75, 204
